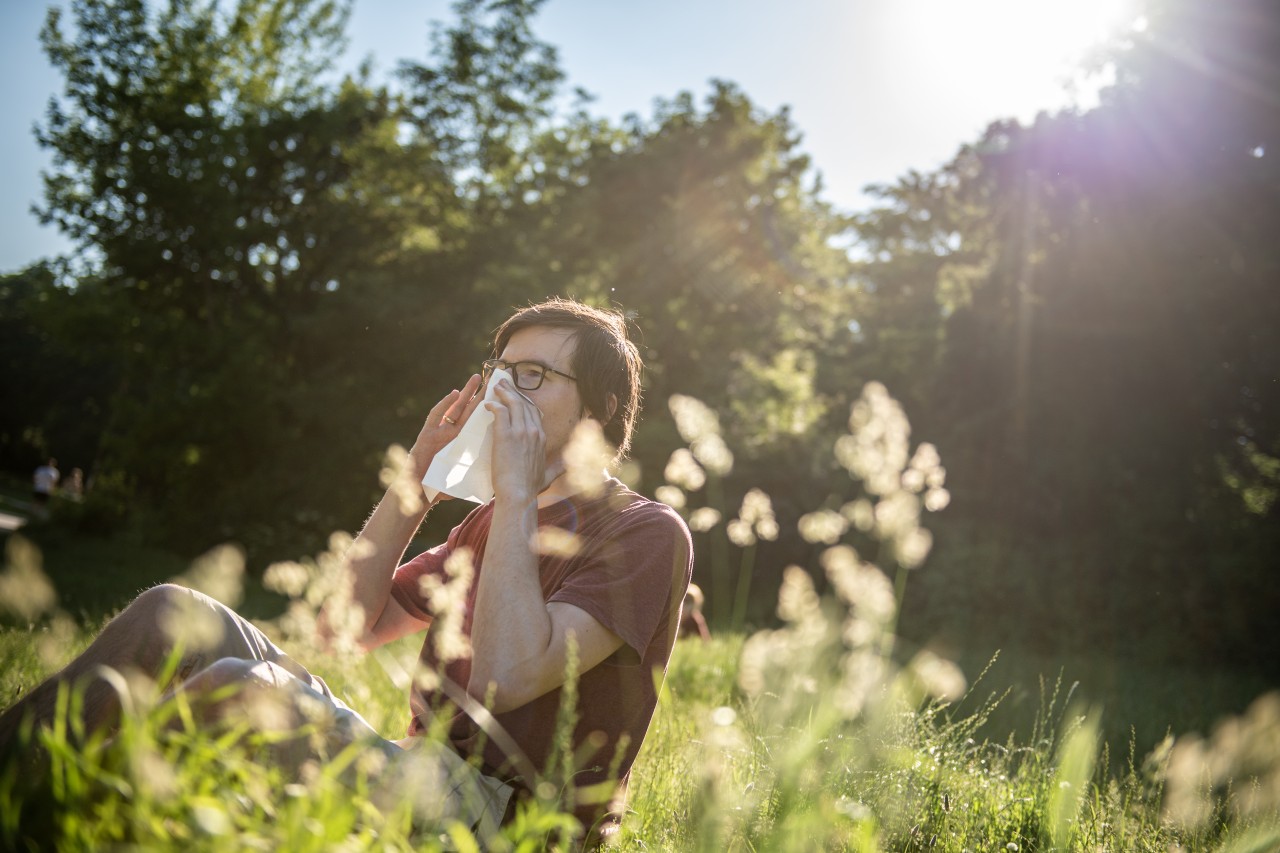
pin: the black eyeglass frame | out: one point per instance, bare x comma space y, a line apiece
489, 365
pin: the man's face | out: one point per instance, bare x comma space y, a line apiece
558, 397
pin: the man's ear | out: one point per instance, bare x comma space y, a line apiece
612, 403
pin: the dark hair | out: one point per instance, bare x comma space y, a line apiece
605, 361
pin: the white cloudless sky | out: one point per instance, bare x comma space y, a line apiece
876, 87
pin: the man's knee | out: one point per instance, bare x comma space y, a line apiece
159, 599
238, 672
224, 684
188, 618
137, 636
260, 693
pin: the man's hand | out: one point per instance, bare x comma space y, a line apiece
520, 641
519, 446
443, 423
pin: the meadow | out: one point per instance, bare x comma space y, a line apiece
723, 768
824, 732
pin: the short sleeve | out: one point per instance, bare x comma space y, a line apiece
406, 588
634, 575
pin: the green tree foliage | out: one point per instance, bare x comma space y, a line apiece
1101, 313
289, 259
213, 174
484, 99
52, 340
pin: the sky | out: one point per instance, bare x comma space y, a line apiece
876, 87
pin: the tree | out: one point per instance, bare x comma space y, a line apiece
1103, 373
229, 190
490, 90
52, 339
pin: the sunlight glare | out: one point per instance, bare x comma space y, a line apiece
1028, 53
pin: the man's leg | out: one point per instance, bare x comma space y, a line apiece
140, 640
231, 672
269, 699
265, 698
441, 786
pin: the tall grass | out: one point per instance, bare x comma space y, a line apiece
820, 734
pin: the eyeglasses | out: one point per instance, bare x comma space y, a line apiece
528, 375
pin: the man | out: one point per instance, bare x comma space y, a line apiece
607, 598
45, 483
692, 622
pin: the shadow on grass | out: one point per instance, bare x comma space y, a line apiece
1141, 702
96, 577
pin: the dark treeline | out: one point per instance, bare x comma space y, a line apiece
283, 269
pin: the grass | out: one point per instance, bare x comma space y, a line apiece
923, 779
96, 576
1137, 701
723, 768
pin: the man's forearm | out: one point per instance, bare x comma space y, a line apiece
511, 629
372, 559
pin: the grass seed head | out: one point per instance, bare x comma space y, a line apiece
397, 475
25, 591
586, 457
684, 471
672, 496
694, 418
703, 519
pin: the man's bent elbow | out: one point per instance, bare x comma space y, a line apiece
345, 631
500, 693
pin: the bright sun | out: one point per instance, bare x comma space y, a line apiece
1022, 53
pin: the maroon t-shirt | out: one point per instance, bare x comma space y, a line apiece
629, 568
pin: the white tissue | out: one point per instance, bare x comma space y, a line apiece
462, 467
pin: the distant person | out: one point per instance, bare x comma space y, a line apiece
74, 487
611, 603
45, 481
692, 622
